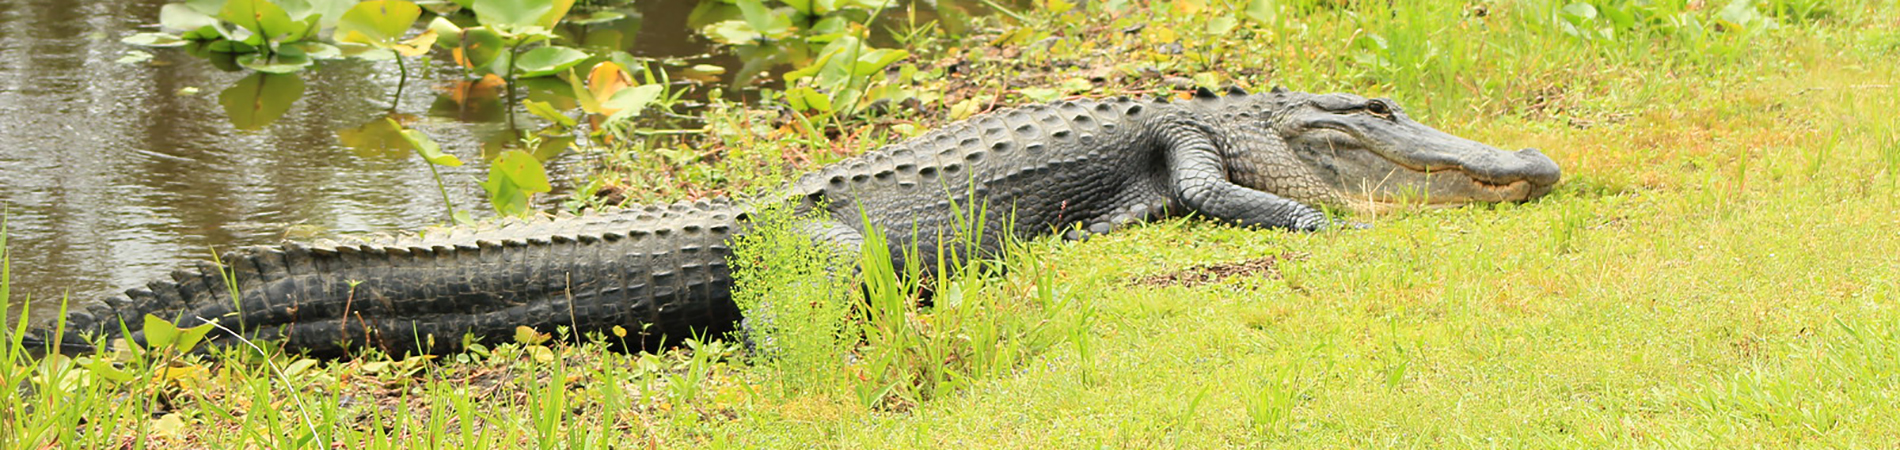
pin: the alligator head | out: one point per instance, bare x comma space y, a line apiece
1367, 155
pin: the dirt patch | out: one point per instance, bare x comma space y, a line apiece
1268, 266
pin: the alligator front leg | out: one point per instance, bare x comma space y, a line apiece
1198, 180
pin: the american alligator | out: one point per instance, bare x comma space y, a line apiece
1073, 168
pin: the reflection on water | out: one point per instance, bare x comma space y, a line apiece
112, 174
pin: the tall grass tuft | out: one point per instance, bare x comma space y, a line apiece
889, 338
797, 308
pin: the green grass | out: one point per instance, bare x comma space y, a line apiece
1717, 270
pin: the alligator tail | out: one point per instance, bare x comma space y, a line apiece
657, 270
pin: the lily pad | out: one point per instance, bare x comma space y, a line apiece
377, 22
520, 13
265, 20
548, 60
189, 16
318, 50
155, 40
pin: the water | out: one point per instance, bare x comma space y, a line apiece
113, 174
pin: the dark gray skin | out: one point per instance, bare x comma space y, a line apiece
1072, 168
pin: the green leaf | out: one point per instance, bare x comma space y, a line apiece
631, 100
448, 35
103, 368
555, 14
427, 148
299, 366
186, 17
1222, 25
154, 40
581, 94
1622, 17
1742, 15
1262, 11
1041, 94
190, 337
876, 60
802, 6
547, 60
755, 14
519, 13
159, 333
259, 99
732, 32
228, 46
318, 50
328, 12
546, 111
1578, 13
806, 99
512, 179
482, 46
209, 33
377, 22
598, 17
265, 20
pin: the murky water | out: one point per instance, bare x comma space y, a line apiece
112, 173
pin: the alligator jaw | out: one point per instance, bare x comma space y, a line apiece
1380, 162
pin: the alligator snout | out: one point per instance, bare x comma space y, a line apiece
1536, 168
1499, 167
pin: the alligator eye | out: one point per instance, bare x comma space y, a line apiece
1379, 108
